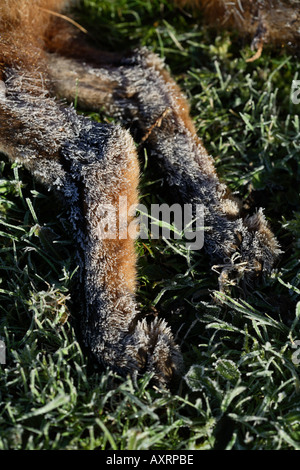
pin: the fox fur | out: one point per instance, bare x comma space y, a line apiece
275, 22
90, 164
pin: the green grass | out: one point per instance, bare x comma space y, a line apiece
241, 389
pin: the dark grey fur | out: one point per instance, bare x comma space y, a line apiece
240, 247
89, 165
77, 158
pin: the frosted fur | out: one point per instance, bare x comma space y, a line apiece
89, 164
141, 95
96, 158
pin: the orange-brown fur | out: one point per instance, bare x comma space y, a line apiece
269, 21
42, 134
90, 165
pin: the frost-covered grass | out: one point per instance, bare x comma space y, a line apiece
241, 389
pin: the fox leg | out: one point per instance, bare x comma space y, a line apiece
142, 94
89, 165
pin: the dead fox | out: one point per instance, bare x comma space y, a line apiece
90, 165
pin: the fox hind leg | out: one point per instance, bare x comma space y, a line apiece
89, 165
141, 94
